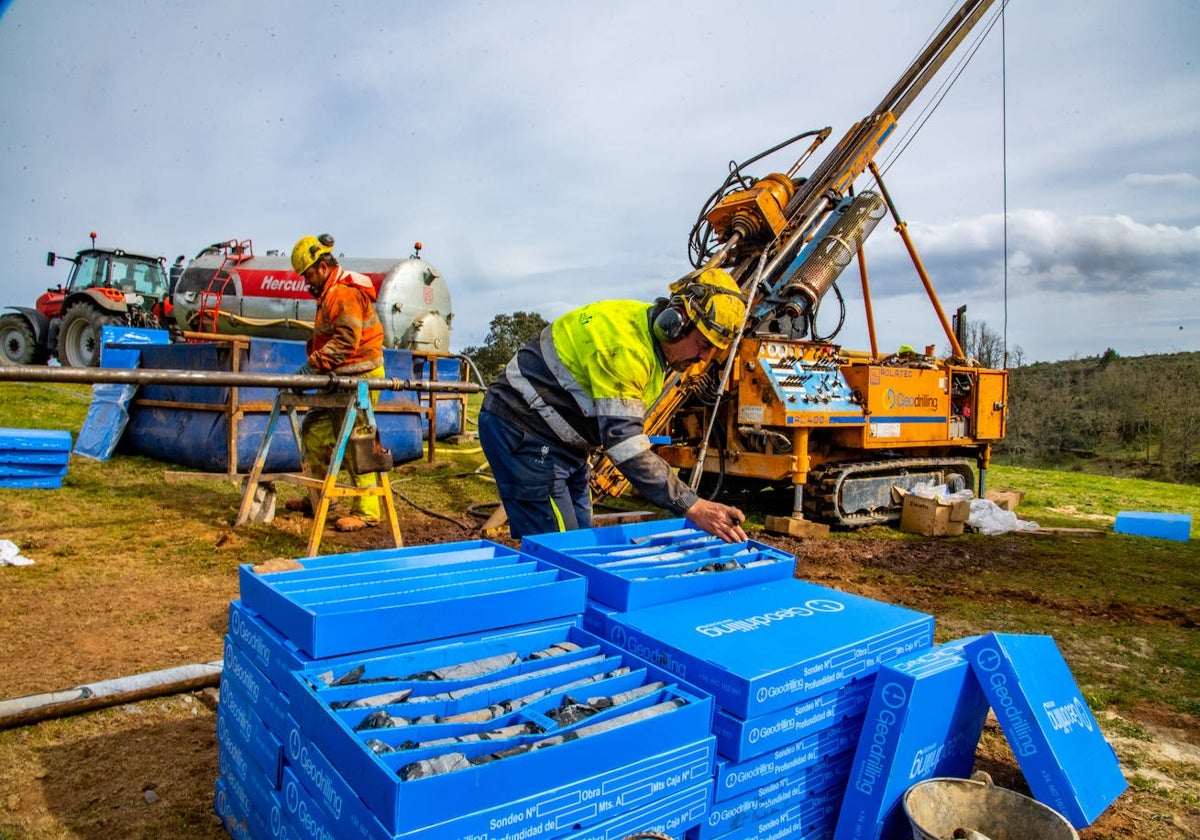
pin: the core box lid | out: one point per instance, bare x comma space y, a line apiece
1053, 734
763, 648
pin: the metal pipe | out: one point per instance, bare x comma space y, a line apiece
956, 350
22, 711
221, 379
730, 361
866, 288
935, 54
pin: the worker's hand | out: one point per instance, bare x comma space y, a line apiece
717, 519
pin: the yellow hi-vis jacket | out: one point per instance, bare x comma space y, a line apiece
586, 382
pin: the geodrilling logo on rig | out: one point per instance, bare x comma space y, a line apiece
898, 400
813, 606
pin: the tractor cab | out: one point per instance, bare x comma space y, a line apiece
115, 269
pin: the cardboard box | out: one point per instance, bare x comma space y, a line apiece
760, 649
932, 517
1005, 499
1053, 734
924, 720
638, 565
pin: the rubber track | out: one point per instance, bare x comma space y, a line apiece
822, 490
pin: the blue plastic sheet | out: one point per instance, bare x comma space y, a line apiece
109, 412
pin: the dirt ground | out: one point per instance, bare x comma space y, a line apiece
147, 769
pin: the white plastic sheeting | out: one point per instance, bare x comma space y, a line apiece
986, 516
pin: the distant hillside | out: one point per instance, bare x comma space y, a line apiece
1137, 416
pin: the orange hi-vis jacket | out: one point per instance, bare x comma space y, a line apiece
347, 333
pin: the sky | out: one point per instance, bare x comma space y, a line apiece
551, 153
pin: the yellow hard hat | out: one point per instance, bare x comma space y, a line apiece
310, 249
713, 302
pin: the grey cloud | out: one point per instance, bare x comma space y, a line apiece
1182, 180
1052, 251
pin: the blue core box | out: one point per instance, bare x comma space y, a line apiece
765, 648
633, 566
925, 718
348, 603
1168, 526
541, 734
34, 458
1053, 734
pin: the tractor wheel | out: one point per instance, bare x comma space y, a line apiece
79, 340
18, 345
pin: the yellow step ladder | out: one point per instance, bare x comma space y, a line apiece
322, 492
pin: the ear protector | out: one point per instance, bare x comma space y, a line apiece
672, 321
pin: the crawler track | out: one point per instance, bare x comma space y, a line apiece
856, 494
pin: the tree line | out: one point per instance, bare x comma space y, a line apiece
1137, 415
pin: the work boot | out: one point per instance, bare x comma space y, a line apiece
301, 505
346, 524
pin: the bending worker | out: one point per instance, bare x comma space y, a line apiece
347, 340
585, 383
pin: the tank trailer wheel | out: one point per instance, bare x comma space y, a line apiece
79, 341
18, 345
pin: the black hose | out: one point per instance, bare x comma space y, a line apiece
841, 317
700, 239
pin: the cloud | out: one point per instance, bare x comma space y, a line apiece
1170, 180
1049, 250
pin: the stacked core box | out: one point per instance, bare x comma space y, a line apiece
446, 692
790, 664
34, 458
609, 682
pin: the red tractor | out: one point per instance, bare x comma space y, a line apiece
106, 286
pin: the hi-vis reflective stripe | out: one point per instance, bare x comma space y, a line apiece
553, 419
562, 526
562, 375
628, 448
614, 407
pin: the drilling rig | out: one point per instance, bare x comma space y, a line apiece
785, 408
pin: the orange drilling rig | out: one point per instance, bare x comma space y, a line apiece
786, 408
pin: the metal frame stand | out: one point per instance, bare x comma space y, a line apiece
321, 492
